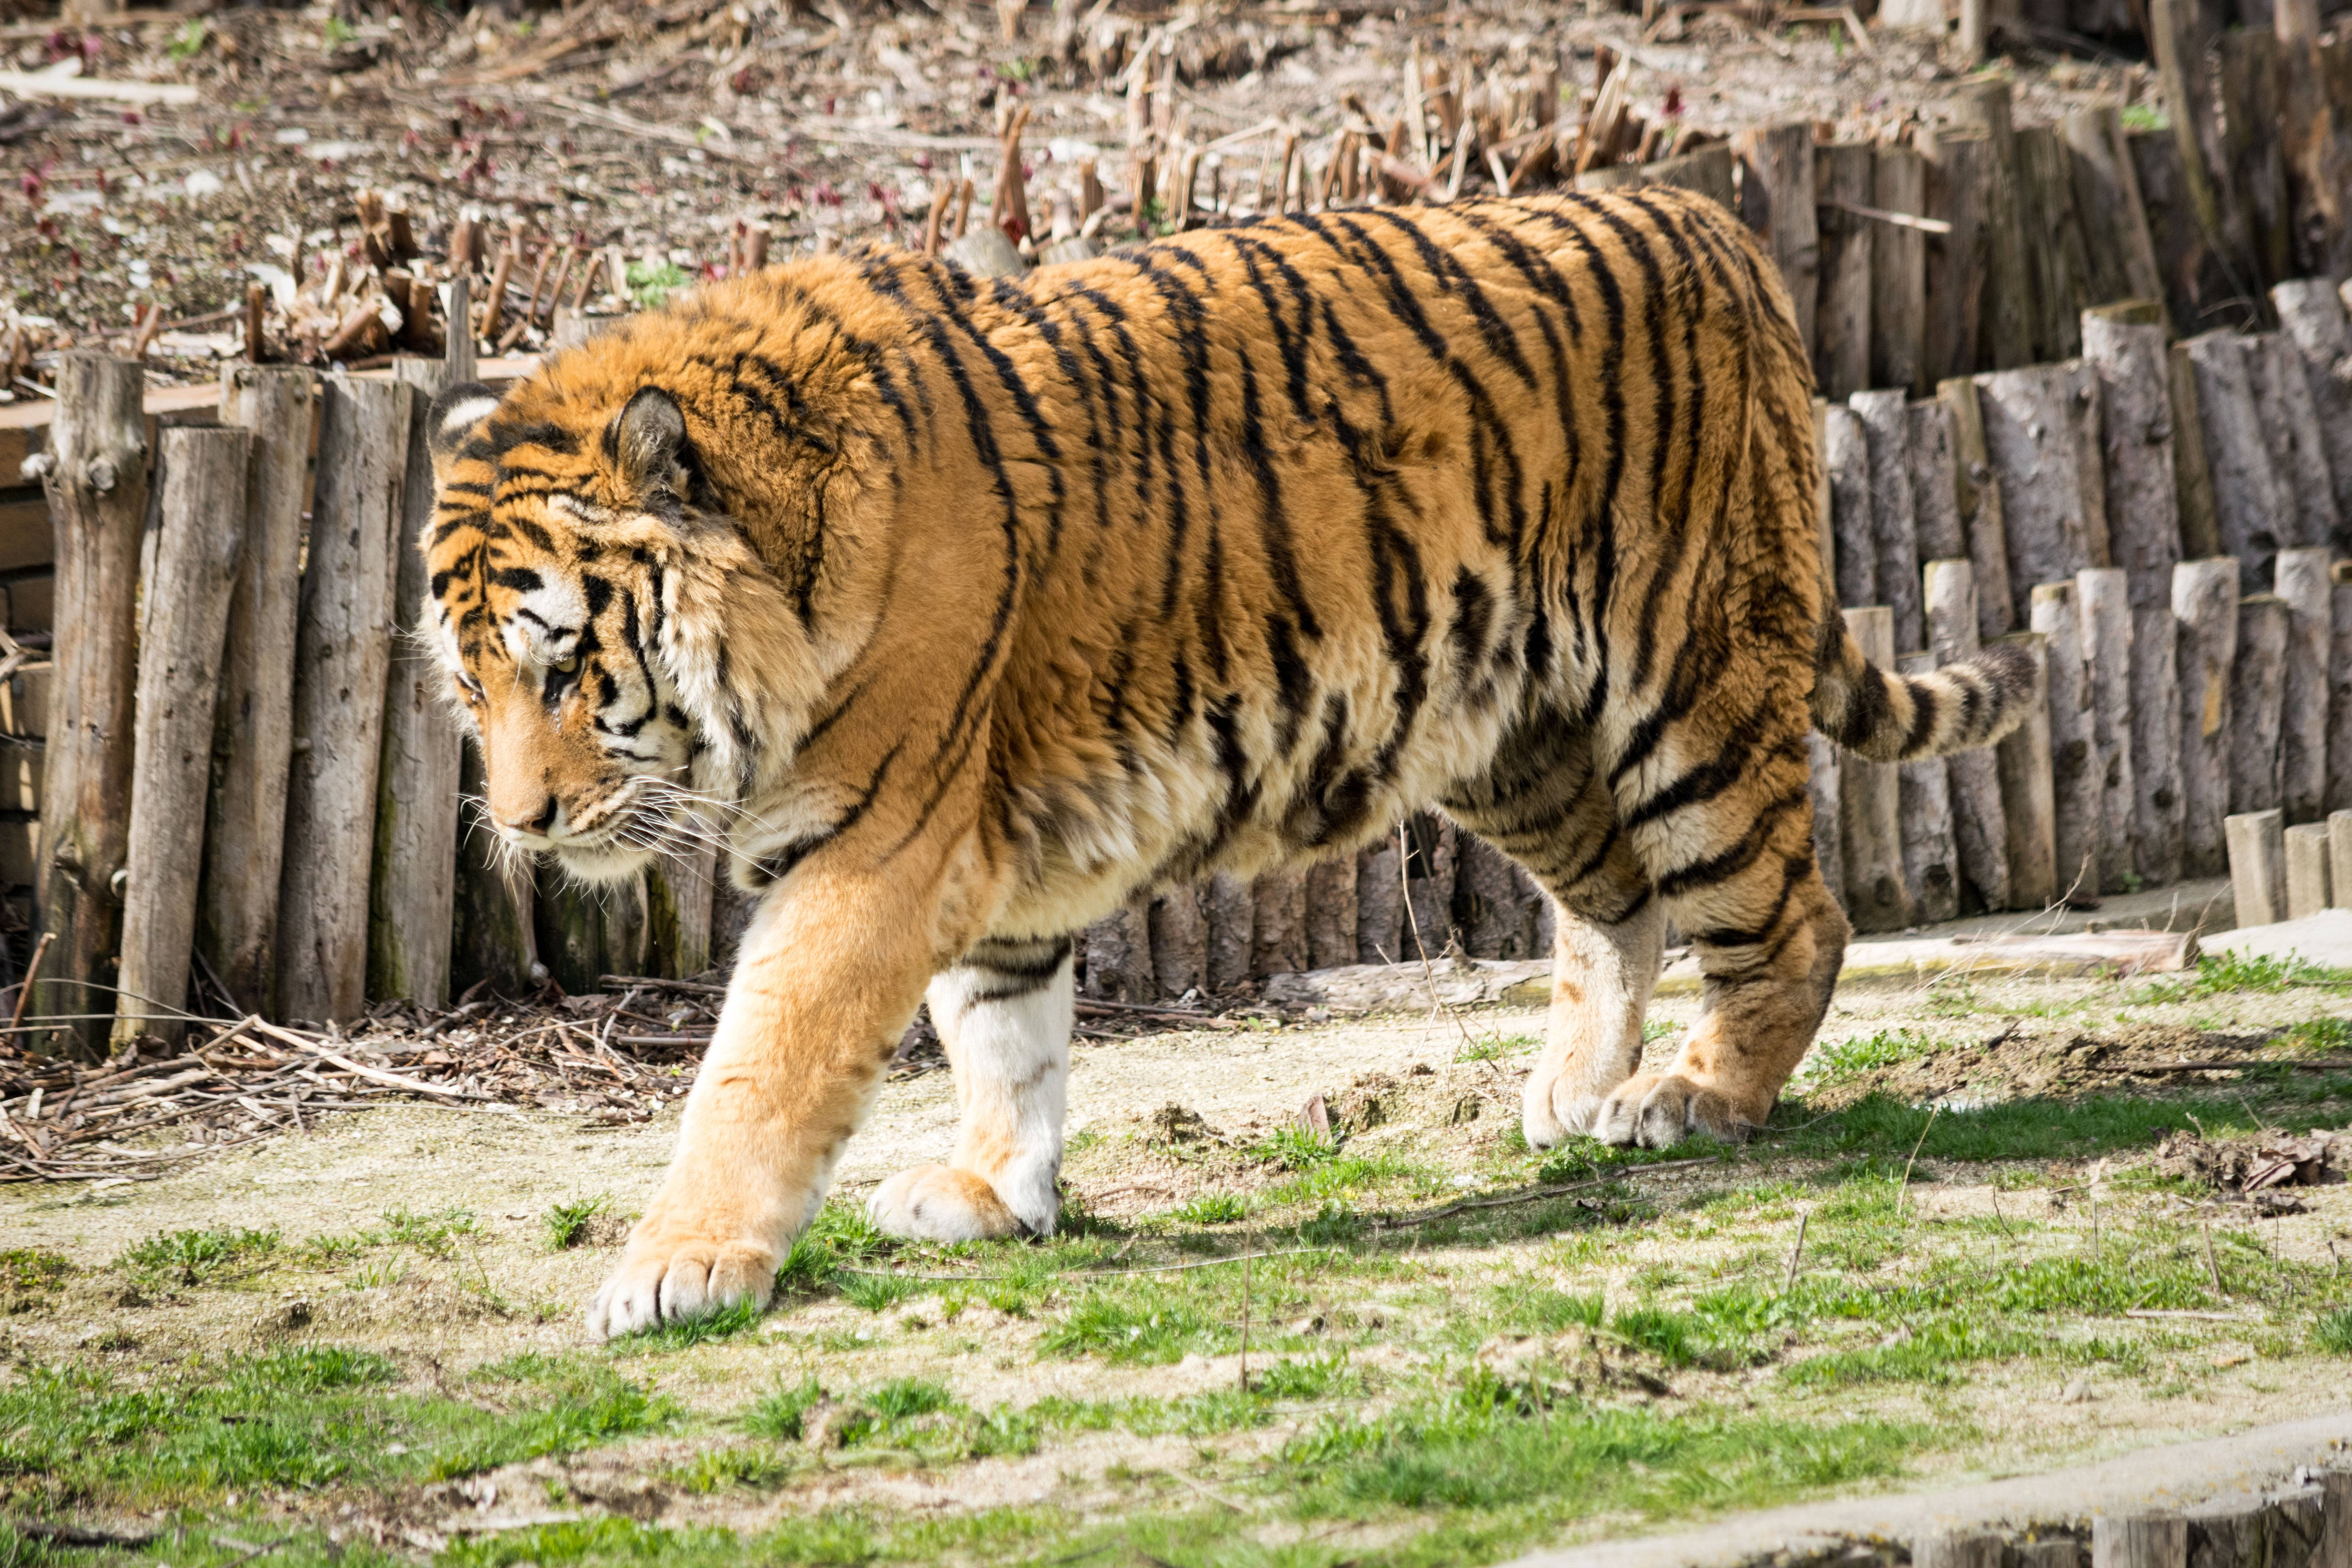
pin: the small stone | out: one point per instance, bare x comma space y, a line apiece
2077, 1391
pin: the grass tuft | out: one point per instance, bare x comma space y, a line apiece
192, 1257
567, 1225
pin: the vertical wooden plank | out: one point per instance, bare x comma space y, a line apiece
1330, 913
1979, 831
1871, 807
1380, 903
253, 726
2103, 593
1898, 275
2249, 510
1777, 200
2192, 471
2005, 317
1232, 910
95, 472
2257, 842
2057, 263
2139, 1541
2144, 538
1430, 870
2121, 254
2205, 616
342, 650
2290, 424
1490, 902
411, 893
1885, 423
1978, 499
2178, 39
2032, 440
2255, 167
2339, 690
1844, 174
197, 547
494, 942
1961, 1551
2304, 587
2028, 804
587, 931
1278, 924
2258, 703
1959, 189
2308, 883
2311, 314
1826, 783
2339, 876
1846, 460
1118, 955
2327, 227
1932, 446
2076, 793
1179, 929
681, 890
1931, 874
2187, 257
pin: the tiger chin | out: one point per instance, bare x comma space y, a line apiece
970, 610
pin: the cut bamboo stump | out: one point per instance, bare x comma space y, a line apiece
2308, 878
253, 723
1932, 444
2107, 200
342, 652
2143, 537
494, 943
412, 899
2205, 616
1959, 187
1979, 832
1117, 952
96, 477
1777, 200
1898, 275
2339, 867
1846, 453
1871, 808
1978, 496
1843, 175
2290, 423
198, 542
2103, 595
2052, 500
2302, 578
2139, 1541
2249, 511
1824, 782
1232, 911
1331, 913
1179, 941
1278, 923
1924, 796
1885, 423
2339, 688
2028, 808
2076, 796
2257, 841
2257, 703
2310, 315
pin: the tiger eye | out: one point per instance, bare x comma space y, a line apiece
566, 666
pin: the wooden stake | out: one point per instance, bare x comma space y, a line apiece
2118, 249
2309, 886
256, 299
1846, 458
1898, 275
2102, 595
1930, 857
2076, 796
2298, 450
2339, 692
1959, 188
2311, 314
1978, 496
1777, 200
2005, 329
2054, 521
2056, 260
2029, 806
1885, 422
2303, 585
2205, 613
1872, 809
2257, 703
1842, 178
1979, 830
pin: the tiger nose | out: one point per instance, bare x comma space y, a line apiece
538, 824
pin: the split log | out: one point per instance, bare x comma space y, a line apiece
2188, 263
1931, 446
2308, 883
1278, 923
1898, 275
585, 933
1824, 784
2059, 268
1118, 956
2257, 842
2058, 1553
1232, 910
1871, 808
2312, 316
2290, 423
1979, 832
1492, 902
96, 477
1885, 423
1958, 190
198, 541
2250, 512
1977, 496
2076, 796
681, 911
2339, 690
1330, 913
2102, 596
1846, 454
1842, 175
1430, 871
253, 723
2303, 585
2052, 501
2121, 255
1924, 796
2257, 703
494, 936
2139, 1541
342, 650
2205, 618
2192, 471
2143, 537
1777, 200
2339, 854
1956, 1551
1380, 903
412, 897
2005, 316
1179, 929
2253, 167
2028, 806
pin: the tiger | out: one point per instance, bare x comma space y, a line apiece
967, 610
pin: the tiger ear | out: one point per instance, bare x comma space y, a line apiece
646, 442
452, 414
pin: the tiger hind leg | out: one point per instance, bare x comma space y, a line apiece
1004, 1015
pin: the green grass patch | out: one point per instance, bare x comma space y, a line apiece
2091, 1125
2333, 1331
194, 1257
2218, 974
1831, 1061
566, 1224
1212, 1209
32, 1268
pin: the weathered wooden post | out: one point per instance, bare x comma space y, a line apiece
1179, 941
2312, 316
1958, 192
2303, 584
1380, 903
1117, 951
1330, 914
1885, 423
2029, 806
2250, 512
2055, 521
1777, 200
2257, 703
342, 652
2205, 614
1933, 445
2339, 859
1967, 1551
2104, 595
2192, 471
1846, 456
196, 551
2005, 327
1898, 271
1978, 496
2144, 535
1491, 902
95, 472
1871, 807
2257, 841
2054, 251
2339, 690
2107, 199
681, 890
1278, 923
413, 891
1843, 179
1232, 910
2139, 1541
253, 723
1979, 832
496, 942
589, 931
2308, 883
2290, 423
1931, 874
1825, 783
2075, 788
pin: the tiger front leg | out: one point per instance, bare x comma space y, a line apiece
829, 976
1004, 1015
1603, 974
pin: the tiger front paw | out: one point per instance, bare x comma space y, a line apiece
1565, 1097
1657, 1110
674, 1270
940, 1202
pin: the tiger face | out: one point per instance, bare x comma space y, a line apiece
546, 607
